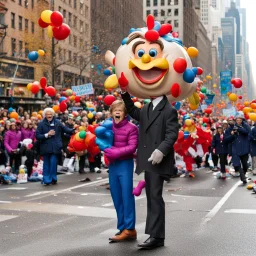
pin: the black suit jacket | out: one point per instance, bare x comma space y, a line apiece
158, 131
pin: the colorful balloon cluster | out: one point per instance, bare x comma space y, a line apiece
33, 56
36, 86
53, 21
105, 135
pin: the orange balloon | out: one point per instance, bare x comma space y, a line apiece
247, 110
253, 105
56, 108
39, 117
246, 103
14, 115
34, 114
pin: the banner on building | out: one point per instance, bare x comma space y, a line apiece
83, 89
225, 82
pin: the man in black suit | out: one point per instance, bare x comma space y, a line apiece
158, 131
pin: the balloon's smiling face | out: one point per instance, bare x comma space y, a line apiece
148, 65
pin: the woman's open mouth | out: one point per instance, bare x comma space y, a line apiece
150, 76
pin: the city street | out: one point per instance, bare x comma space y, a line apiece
204, 216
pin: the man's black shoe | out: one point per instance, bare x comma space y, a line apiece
151, 243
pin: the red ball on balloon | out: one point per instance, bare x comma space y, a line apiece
63, 106
151, 35
205, 120
199, 71
42, 24
35, 88
56, 19
62, 32
175, 90
100, 97
43, 82
208, 111
180, 65
77, 99
109, 99
51, 91
237, 82
240, 97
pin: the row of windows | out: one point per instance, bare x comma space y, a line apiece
67, 55
163, 2
20, 23
72, 21
19, 51
73, 3
163, 12
25, 3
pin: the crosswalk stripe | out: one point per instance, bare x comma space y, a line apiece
7, 217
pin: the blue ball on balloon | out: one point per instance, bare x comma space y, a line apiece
177, 105
186, 134
61, 99
186, 117
195, 70
157, 25
107, 72
33, 56
189, 76
10, 110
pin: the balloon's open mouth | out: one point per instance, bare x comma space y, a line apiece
150, 76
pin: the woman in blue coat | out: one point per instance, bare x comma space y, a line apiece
220, 145
48, 133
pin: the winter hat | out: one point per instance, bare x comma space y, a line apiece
70, 116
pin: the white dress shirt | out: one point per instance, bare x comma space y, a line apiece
156, 101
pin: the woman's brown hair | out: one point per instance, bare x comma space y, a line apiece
118, 103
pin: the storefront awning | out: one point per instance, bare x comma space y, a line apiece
22, 81
5, 80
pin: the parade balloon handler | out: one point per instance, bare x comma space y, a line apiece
49, 134
121, 165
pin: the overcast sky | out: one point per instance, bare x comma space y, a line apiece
250, 6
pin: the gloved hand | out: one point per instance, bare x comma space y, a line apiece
156, 157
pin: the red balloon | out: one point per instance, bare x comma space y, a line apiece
205, 120
62, 32
181, 135
208, 111
151, 35
100, 97
165, 29
56, 19
43, 82
134, 99
237, 82
51, 91
42, 24
150, 21
240, 97
91, 128
63, 106
35, 88
199, 71
175, 90
77, 99
180, 65
109, 99
175, 34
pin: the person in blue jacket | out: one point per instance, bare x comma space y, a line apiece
48, 133
253, 148
239, 137
220, 146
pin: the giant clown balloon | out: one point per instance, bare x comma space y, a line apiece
150, 69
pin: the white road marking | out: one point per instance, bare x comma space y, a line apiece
5, 202
68, 189
111, 204
218, 206
75, 210
7, 217
242, 211
13, 188
39, 193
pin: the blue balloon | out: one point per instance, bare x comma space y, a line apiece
94, 113
99, 66
108, 124
91, 109
100, 130
62, 98
186, 134
189, 76
107, 72
33, 56
132, 30
10, 110
186, 117
157, 26
124, 40
195, 70
177, 105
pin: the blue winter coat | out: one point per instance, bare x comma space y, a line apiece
227, 135
53, 144
221, 147
253, 141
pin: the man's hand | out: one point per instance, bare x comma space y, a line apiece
51, 133
156, 157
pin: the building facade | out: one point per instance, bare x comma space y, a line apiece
111, 22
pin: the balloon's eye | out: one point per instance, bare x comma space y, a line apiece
140, 53
153, 53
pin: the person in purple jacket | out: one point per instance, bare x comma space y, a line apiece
121, 166
27, 131
12, 138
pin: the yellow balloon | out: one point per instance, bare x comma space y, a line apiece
137, 104
90, 115
49, 32
40, 112
252, 117
29, 86
56, 108
46, 16
247, 110
246, 103
81, 128
111, 82
232, 97
72, 98
208, 77
41, 53
215, 86
192, 52
188, 122
193, 107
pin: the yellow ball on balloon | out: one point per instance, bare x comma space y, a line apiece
72, 98
192, 52
90, 115
46, 16
41, 53
29, 86
252, 117
49, 32
81, 128
233, 97
188, 122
